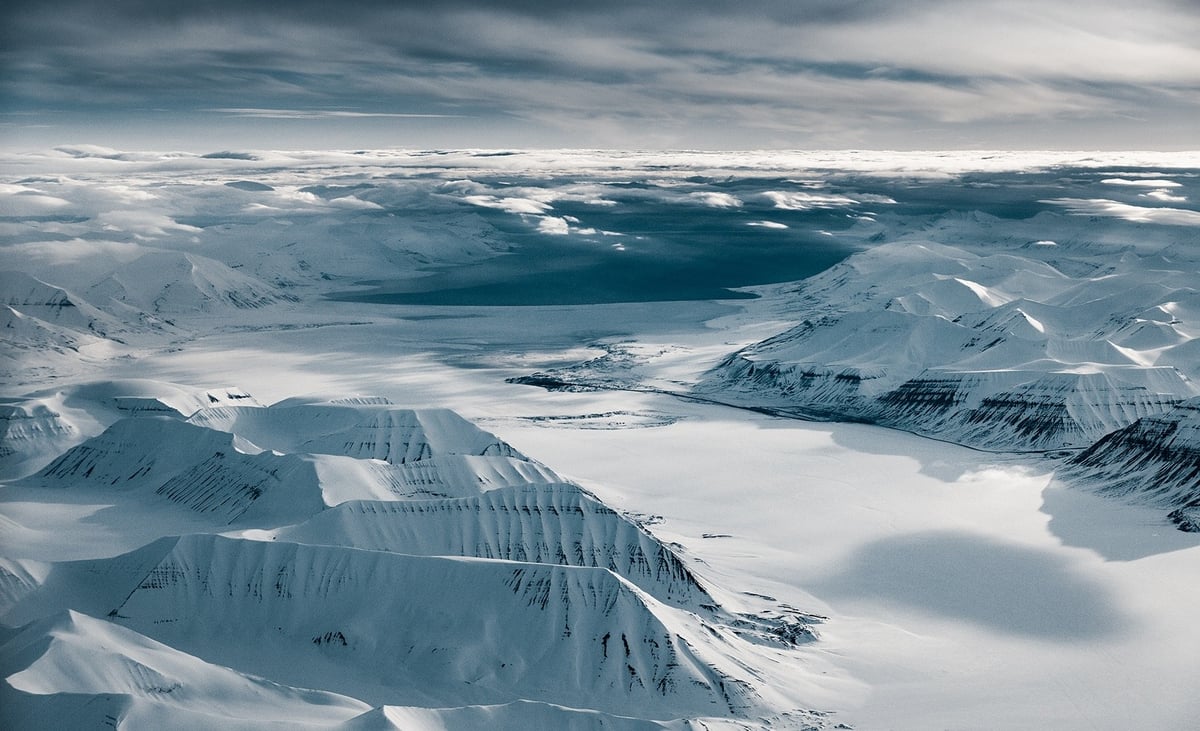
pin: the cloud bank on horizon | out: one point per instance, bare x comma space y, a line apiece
503, 73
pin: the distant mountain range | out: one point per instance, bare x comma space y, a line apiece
1037, 348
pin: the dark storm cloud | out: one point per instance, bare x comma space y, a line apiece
798, 73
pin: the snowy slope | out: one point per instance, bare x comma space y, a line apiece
173, 283
523, 715
55, 307
36, 428
451, 631
140, 396
138, 682
556, 524
1155, 460
143, 303
323, 454
24, 332
1002, 350
520, 593
29, 432
138, 303
449, 475
363, 429
43, 326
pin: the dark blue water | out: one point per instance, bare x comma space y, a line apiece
665, 252
673, 250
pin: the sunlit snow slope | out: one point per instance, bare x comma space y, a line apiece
396, 559
1033, 349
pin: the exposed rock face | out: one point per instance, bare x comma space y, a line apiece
1003, 410
1155, 460
835, 392
1050, 411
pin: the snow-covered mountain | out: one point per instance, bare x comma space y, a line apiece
1001, 350
319, 455
558, 524
172, 282
71, 669
31, 431
1155, 460
417, 630
360, 428
39, 427
199, 469
41, 318
140, 303
390, 559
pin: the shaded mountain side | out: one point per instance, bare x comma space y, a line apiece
233, 481
999, 351
1155, 460
553, 524
315, 616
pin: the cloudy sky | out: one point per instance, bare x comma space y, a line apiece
903, 74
